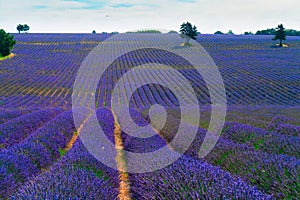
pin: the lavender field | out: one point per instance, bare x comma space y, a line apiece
256, 157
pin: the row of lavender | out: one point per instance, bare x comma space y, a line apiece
44, 69
247, 159
264, 158
34, 151
264, 75
241, 149
76, 175
80, 176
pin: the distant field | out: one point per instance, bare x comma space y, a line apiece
256, 157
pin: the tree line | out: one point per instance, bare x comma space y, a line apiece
187, 30
272, 31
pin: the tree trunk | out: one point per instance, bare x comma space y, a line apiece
280, 43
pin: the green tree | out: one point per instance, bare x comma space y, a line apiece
93, 32
280, 34
20, 28
230, 32
219, 33
188, 31
172, 31
148, 31
248, 33
291, 32
26, 27
270, 31
7, 42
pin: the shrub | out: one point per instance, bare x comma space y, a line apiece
7, 42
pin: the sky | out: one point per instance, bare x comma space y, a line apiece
84, 16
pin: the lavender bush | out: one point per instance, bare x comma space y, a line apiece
190, 178
18, 129
260, 139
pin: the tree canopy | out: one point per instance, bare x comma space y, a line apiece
272, 31
269, 31
219, 33
291, 32
230, 32
172, 31
280, 34
7, 42
248, 33
23, 27
189, 30
145, 31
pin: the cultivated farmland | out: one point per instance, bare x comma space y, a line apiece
256, 157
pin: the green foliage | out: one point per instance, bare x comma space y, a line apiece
172, 31
272, 31
26, 27
266, 32
22, 27
189, 30
247, 138
3, 58
258, 143
280, 34
291, 32
248, 33
7, 42
145, 31
148, 31
94, 32
97, 172
230, 32
219, 33
223, 157
62, 152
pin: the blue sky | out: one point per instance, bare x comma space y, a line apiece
83, 16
